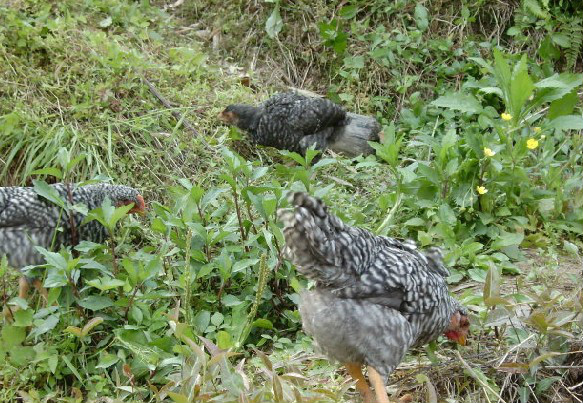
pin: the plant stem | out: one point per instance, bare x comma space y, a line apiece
187, 287
239, 219
130, 302
387, 221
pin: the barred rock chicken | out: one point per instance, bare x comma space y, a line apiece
288, 121
28, 220
375, 297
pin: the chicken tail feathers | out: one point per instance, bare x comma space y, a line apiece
434, 257
310, 234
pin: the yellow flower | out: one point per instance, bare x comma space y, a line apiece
481, 190
488, 152
532, 143
536, 129
506, 116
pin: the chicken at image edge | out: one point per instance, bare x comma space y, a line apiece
375, 297
28, 220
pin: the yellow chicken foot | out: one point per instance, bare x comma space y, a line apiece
378, 384
355, 371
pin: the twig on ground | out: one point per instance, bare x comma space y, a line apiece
477, 378
177, 115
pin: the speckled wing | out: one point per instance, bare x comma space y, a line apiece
26, 221
357, 264
12, 212
305, 115
295, 122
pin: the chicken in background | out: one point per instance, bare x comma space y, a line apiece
288, 121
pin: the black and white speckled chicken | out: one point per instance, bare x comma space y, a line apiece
375, 297
28, 220
288, 121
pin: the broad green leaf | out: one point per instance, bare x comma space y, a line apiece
348, 12
568, 81
502, 73
53, 361
492, 286
118, 214
556, 87
430, 173
415, 222
447, 215
49, 171
217, 319
311, 153
507, 239
294, 156
44, 326
421, 17
202, 321
22, 356
563, 106
354, 62
571, 248
96, 302
106, 360
136, 314
12, 335
105, 283
547, 50
460, 102
274, 23
211, 195
492, 90
178, 397
54, 259
323, 162
569, 122
545, 383
408, 173
23, 318
231, 300
477, 275
48, 192
263, 323
224, 340
243, 264
196, 193
521, 88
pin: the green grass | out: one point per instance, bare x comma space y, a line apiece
72, 83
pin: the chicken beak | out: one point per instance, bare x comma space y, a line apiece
462, 339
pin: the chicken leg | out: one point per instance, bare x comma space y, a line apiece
24, 286
23, 289
354, 370
378, 383
379, 387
